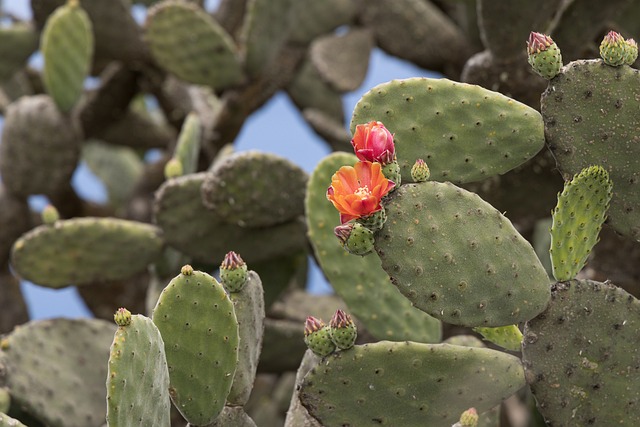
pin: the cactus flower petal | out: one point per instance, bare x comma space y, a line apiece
372, 142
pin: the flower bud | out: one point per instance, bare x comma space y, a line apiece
343, 330
186, 270
233, 272
173, 169
631, 52
317, 337
50, 215
543, 55
469, 418
122, 317
372, 142
355, 238
420, 171
613, 49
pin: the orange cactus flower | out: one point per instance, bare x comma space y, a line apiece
356, 191
374, 143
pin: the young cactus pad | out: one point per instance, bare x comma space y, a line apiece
408, 384
360, 281
591, 118
438, 119
456, 257
82, 251
199, 327
67, 49
581, 356
138, 377
69, 391
577, 220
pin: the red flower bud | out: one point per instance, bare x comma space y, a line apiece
374, 143
312, 325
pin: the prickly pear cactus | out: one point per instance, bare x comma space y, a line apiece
578, 355
408, 384
457, 258
199, 327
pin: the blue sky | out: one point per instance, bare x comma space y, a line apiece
288, 135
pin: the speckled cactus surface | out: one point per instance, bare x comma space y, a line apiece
456, 245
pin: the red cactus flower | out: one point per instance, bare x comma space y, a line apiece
374, 143
356, 191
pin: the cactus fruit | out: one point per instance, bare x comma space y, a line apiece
408, 384
67, 48
355, 238
199, 327
420, 171
577, 220
138, 377
63, 254
457, 258
173, 169
576, 355
50, 215
342, 330
233, 272
360, 281
507, 337
544, 56
613, 49
317, 336
436, 120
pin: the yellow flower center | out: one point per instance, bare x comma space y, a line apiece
363, 192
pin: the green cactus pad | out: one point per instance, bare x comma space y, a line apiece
200, 331
40, 147
55, 370
67, 48
591, 118
201, 234
313, 18
297, 415
456, 257
138, 377
577, 220
361, 282
408, 384
7, 421
81, 251
264, 31
232, 416
463, 132
14, 220
249, 308
507, 337
119, 169
188, 146
189, 43
255, 189
343, 60
581, 356
17, 43
309, 91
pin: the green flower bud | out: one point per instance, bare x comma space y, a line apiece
173, 169
355, 238
343, 330
631, 51
50, 215
122, 317
543, 55
186, 270
233, 272
613, 49
420, 171
317, 337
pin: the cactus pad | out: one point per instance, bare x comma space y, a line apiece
456, 257
581, 355
249, 308
189, 43
55, 370
590, 115
463, 132
309, 91
67, 48
313, 18
408, 384
200, 331
40, 147
81, 251
232, 416
577, 220
201, 234
360, 281
7, 421
138, 378
17, 43
255, 189
188, 146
